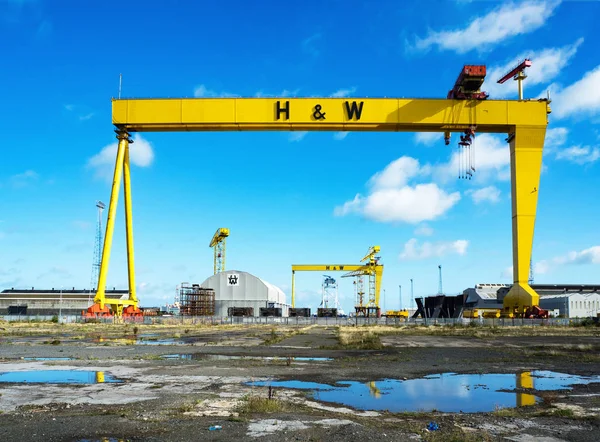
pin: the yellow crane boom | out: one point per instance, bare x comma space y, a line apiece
218, 244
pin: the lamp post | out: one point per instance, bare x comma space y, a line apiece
399, 297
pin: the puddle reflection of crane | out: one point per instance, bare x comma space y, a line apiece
525, 381
373, 390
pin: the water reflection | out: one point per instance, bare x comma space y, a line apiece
211, 357
448, 392
57, 377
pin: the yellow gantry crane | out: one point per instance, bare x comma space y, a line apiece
373, 269
218, 244
523, 120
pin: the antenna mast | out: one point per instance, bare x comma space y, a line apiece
97, 247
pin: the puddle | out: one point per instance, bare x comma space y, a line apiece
140, 341
448, 392
201, 356
46, 359
57, 377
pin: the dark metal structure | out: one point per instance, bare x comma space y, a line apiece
440, 306
299, 312
197, 301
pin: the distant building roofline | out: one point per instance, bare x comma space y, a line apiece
58, 291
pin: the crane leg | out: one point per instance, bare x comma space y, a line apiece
293, 289
526, 164
110, 223
129, 221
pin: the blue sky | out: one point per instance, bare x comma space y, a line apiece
290, 198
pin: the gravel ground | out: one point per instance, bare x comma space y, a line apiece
179, 399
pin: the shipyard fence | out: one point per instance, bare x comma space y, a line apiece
306, 321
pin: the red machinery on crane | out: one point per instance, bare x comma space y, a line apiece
518, 73
468, 84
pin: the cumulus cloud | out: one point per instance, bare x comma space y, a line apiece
485, 194
24, 179
556, 136
141, 154
546, 65
343, 92
203, 91
414, 251
590, 255
491, 160
428, 138
284, 93
392, 199
581, 98
498, 25
579, 154
297, 136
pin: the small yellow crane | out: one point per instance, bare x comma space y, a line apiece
218, 244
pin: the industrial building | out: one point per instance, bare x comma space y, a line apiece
51, 302
566, 300
237, 291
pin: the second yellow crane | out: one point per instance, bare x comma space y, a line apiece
218, 244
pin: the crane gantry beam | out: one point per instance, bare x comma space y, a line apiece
360, 268
329, 114
525, 122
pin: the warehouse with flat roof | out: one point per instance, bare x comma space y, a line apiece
53, 301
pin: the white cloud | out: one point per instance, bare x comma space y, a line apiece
392, 199
556, 136
491, 160
203, 91
297, 135
413, 251
497, 26
424, 230
490, 194
423, 202
284, 93
507, 273
310, 46
579, 154
546, 65
580, 98
397, 173
343, 92
340, 135
24, 179
428, 138
590, 255
541, 268
141, 154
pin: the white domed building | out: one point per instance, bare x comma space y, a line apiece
234, 288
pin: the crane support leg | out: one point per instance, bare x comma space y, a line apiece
129, 221
293, 289
526, 148
123, 138
378, 275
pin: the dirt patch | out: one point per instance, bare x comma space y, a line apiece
166, 399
